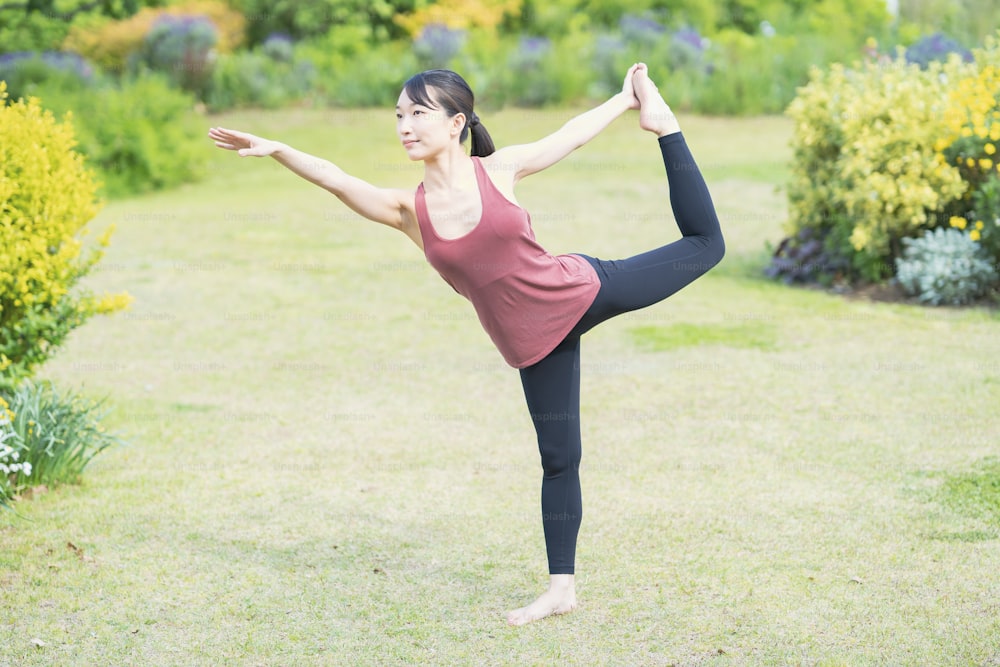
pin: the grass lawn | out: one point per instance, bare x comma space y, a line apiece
329, 463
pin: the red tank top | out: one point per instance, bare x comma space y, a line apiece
526, 299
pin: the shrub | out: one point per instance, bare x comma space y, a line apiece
140, 135
54, 435
110, 43
313, 19
437, 45
971, 142
969, 21
47, 197
260, 79
488, 15
936, 47
945, 266
865, 173
351, 71
529, 83
24, 70
278, 47
181, 48
807, 258
30, 31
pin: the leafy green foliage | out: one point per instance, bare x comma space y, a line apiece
303, 19
55, 433
25, 70
866, 173
180, 47
351, 71
140, 135
47, 197
257, 79
41, 25
945, 267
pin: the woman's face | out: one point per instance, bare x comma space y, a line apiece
424, 130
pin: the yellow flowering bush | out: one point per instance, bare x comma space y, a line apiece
866, 173
970, 142
47, 196
459, 14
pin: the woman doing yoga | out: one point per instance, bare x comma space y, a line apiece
534, 306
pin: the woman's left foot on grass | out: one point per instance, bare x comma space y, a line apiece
560, 598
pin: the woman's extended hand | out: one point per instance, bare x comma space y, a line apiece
246, 145
628, 90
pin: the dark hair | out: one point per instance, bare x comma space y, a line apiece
453, 97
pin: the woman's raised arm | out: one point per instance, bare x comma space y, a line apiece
527, 159
382, 205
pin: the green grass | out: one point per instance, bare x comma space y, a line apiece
751, 334
329, 464
976, 492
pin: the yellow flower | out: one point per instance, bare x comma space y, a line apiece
985, 163
957, 221
990, 149
979, 224
969, 162
974, 235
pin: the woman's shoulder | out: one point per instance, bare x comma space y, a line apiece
502, 168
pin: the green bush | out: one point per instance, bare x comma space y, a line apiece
117, 45
970, 21
49, 437
971, 143
26, 70
536, 72
309, 19
30, 31
865, 171
255, 79
47, 197
352, 72
887, 150
945, 267
140, 134
181, 48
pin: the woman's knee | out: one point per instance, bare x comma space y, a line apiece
711, 252
716, 249
559, 457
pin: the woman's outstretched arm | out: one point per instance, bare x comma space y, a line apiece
531, 158
379, 204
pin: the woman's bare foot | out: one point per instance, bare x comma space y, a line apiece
559, 599
654, 114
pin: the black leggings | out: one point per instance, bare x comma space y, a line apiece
552, 386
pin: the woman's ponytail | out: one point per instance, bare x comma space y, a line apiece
481, 143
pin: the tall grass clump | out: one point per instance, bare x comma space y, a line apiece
52, 434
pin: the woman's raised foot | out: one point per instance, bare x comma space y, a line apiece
654, 113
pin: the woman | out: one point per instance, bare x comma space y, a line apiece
535, 306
